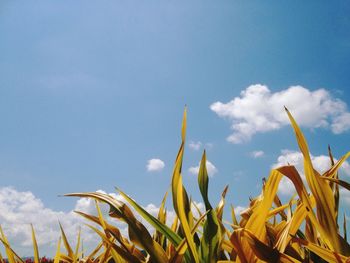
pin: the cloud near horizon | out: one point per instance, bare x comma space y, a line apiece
21, 208
259, 110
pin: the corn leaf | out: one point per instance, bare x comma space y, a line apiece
233, 215
76, 254
66, 243
35, 246
256, 222
180, 199
344, 229
180, 250
11, 252
8, 250
94, 252
58, 252
322, 192
138, 233
211, 238
162, 228
342, 183
238, 248
326, 254
220, 207
263, 251
127, 256
158, 236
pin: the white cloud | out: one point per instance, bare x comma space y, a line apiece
20, 209
257, 154
211, 169
321, 163
155, 165
259, 110
195, 145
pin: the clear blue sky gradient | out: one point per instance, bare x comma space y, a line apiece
91, 90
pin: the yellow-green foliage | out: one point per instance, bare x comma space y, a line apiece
305, 229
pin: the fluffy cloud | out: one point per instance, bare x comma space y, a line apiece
19, 209
195, 145
211, 169
257, 154
321, 163
155, 165
258, 110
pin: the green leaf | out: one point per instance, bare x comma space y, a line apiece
211, 231
162, 228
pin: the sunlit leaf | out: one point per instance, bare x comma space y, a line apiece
35, 246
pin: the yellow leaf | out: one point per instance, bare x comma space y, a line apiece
76, 254
58, 252
35, 246
179, 195
66, 243
8, 250
322, 192
324, 253
256, 222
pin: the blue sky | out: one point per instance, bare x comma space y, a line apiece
90, 91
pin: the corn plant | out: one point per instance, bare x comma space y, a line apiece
305, 229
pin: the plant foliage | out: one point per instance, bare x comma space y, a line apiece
306, 229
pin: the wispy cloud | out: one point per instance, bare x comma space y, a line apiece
195, 145
211, 169
155, 165
321, 163
257, 154
259, 110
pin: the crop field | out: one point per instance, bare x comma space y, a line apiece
307, 228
